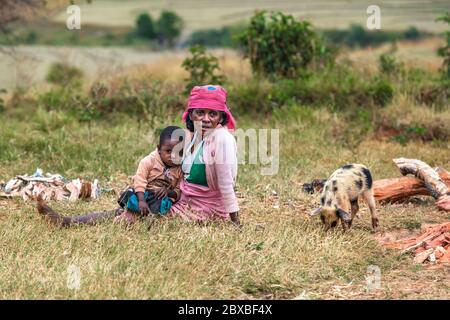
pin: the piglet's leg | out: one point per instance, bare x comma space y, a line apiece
345, 226
370, 200
355, 208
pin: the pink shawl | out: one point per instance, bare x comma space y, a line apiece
218, 200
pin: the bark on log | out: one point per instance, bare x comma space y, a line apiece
400, 188
396, 189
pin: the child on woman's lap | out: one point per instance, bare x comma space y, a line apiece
156, 185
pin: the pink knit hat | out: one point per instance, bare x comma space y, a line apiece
212, 97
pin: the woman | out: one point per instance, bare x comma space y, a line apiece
209, 159
209, 165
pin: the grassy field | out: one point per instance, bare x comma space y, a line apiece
279, 252
397, 14
99, 63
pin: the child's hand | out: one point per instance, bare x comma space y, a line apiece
143, 208
161, 193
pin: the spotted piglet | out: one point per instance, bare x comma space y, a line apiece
339, 199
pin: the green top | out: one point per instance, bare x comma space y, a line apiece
197, 174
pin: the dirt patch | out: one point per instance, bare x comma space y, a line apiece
397, 234
386, 133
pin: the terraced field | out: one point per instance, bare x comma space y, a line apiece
200, 14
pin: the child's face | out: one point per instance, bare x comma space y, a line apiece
165, 152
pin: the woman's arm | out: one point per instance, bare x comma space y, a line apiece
226, 168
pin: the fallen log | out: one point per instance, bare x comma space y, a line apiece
424, 172
431, 179
395, 189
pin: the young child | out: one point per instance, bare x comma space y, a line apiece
156, 186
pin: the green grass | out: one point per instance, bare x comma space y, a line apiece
279, 253
47, 33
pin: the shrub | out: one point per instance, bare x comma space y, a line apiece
339, 88
278, 44
202, 68
31, 37
381, 91
64, 75
412, 33
60, 98
388, 64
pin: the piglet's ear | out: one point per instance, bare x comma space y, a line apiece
344, 215
315, 212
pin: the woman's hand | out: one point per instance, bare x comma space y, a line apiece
235, 218
161, 193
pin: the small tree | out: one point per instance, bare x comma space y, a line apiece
278, 44
445, 50
145, 27
387, 62
169, 27
202, 68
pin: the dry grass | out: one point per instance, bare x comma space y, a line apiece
404, 117
418, 54
168, 67
279, 253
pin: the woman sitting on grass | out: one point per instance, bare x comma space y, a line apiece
209, 165
209, 159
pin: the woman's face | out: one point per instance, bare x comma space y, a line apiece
208, 118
